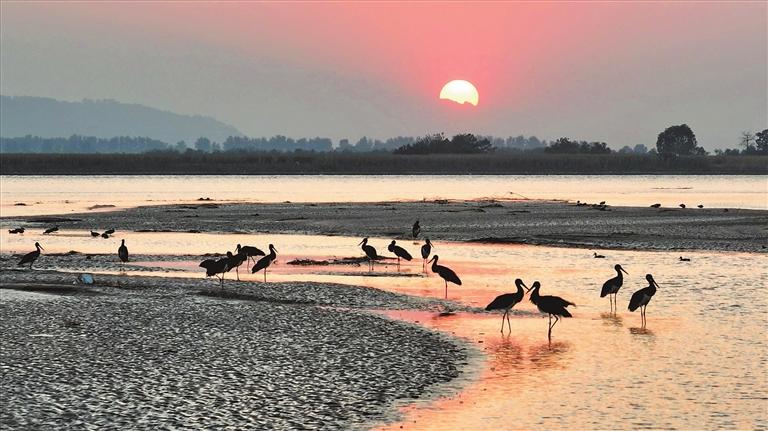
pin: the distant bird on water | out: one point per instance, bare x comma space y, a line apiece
32, 256
445, 273
602, 203
426, 250
506, 302
656, 206
17, 230
399, 252
642, 297
699, 206
122, 252
682, 206
105, 235
685, 259
50, 230
109, 231
265, 261
552, 305
416, 229
95, 234
612, 286
599, 256
250, 252
369, 251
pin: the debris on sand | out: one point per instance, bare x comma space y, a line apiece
99, 206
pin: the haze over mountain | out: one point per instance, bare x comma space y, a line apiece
48, 118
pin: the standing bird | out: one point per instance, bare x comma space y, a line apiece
250, 252
426, 250
416, 229
445, 273
95, 234
369, 251
506, 302
612, 286
399, 252
265, 261
682, 206
32, 256
598, 256
656, 206
215, 267
685, 259
50, 230
552, 305
122, 252
109, 231
235, 260
642, 297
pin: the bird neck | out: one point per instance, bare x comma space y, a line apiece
434, 265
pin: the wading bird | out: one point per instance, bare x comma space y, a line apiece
612, 286
599, 256
109, 231
215, 267
399, 252
426, 250
235, 260
506, 302
684, 259
642, 297
656, 206
369, 251
122, 252
32, 256
95, 234
50, 230
445, 273
265, 261
552, 305
415, 229
250, 252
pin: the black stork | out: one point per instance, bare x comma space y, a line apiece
552, 305
506, 302
50, 230
250, 252
265, 261
32, 256
598, 256
445, 273
642, 297
122, 252
612, 286
685, 259
95, 234
215, 267
105, 235
416, 229
399, 252
235, 260
369, 251
426, 250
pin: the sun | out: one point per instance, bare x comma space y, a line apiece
461, 92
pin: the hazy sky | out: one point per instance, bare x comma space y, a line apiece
613, 71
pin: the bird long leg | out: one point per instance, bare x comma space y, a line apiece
549, 331
508, 322
237, 271
446, 289
557, 319
265, 275
502, 321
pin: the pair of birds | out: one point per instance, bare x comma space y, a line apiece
640, 299
31, 257
214, 267
554, 306
104, 235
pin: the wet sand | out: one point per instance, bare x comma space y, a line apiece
514, 221
155, 353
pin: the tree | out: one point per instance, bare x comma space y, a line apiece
678, 141
640, 149
761, 142
203, 144
437, 144
180, 147
626, 150
747, 141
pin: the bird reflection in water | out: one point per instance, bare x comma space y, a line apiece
549, 355
506, 356
611, 319
642, 331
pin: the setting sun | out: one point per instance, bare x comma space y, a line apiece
460, 91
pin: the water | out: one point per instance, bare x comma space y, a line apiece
700, 363
62, 194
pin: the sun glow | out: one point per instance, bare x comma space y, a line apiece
461, 92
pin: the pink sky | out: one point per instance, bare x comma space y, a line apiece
618, 72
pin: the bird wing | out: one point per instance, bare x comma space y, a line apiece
425, 250
449, 275
608, 287
29, 257
403, 253
261, 264
636, 300
501, 302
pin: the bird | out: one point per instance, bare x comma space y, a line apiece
552, 305
122, 252
415, 229
699, 206
235, 260
612, 286
682, 206
602, 203
399, 252
685, 259
250, 252
32, 256
426, 250
50, 230
656, 206
16, 230
445, 273
109, 231
105, 235
265, 261
215, 267
95, 234
599, 256
506, 302
642, 297
369, 251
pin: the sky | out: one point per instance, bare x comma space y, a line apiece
618, 72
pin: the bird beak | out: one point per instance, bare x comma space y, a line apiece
657, 284
527, 289
625, 272
361, 242
41, 248
430, 260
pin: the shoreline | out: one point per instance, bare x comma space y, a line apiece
164, 327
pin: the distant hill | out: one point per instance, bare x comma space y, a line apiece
49, 118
